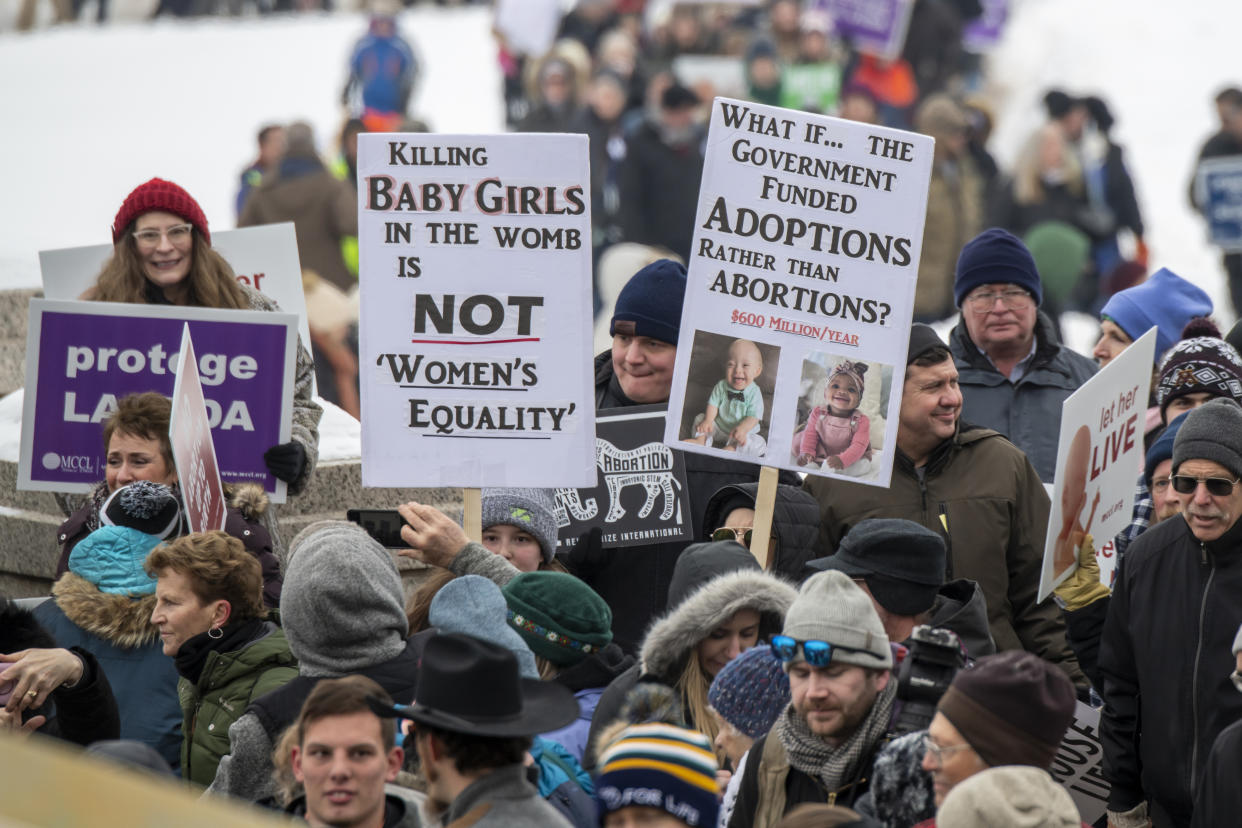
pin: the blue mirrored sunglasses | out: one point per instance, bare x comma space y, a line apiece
816, 653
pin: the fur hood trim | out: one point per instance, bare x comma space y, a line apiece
671, 638
118, 619
249, 499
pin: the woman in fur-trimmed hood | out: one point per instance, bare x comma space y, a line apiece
723, 603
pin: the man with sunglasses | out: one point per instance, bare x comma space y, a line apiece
822, 746
1013, 370
1164, 655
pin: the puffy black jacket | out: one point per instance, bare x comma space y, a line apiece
795, 523
1165, 660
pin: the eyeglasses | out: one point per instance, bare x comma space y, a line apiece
1159, 484
178, 234
816, 653
1218, 486
728, 533
937, 752
1013, 298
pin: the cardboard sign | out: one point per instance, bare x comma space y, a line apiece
83, 356
641, 494
475, 259
1099, 450
194, 453
264, 258
874, 27
1218, 191
1078, 764
800, 292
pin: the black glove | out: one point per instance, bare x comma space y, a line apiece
287, 461
587, 555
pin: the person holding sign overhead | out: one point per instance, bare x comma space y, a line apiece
163, 256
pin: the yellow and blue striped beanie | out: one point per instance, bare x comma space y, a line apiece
660, 766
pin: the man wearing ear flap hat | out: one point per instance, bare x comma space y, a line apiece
474, 717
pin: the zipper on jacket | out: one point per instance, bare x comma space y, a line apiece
1194, 676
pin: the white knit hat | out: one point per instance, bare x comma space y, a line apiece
830, 607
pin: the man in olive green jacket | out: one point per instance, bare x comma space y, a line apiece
975, 488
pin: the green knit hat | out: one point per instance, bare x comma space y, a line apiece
559, 616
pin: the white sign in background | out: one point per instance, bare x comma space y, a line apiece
265, 258
807, 242
1099, 455
475, 329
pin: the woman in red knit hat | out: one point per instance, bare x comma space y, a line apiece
163, 256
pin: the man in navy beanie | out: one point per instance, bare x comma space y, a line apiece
1013, 370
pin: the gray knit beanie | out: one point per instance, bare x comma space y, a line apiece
341, 606
1213, 431
531, 510
474, 606
830, 607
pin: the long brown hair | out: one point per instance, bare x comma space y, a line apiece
211, 282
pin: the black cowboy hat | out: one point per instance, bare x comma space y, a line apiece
475, 687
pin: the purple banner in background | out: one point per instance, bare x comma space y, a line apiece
87, 361
877, 27
983, 33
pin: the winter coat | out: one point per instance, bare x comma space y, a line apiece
795, 524
659, 189
82, 714
673, 639
1083, 630
996, 513
323, 210
954, 217
588, 679
1028, 412
229, 682
382, 70
561, 781
502, 799
397, 812
246, 772
247, 505
634, 581
1219, 800
1165, 659
117, 630
961, 608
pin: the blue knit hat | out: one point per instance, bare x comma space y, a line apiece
1165, 301
1162, 449
751, 691
135, 519
474, 606
996, 256
650, 302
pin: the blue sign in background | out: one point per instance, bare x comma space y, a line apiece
68, 450
1220, 194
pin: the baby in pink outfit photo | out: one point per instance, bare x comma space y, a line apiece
837, 435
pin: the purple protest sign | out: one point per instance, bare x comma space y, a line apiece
875, 27
983, 33
82, 356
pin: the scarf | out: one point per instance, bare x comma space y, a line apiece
191, 656
834, 766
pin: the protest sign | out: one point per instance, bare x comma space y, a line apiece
1078, 764
1099, 455
874, 27
264, 258
982, 34
640, 496
83, 356
475, 254
800, 292
1218, 192
194, 452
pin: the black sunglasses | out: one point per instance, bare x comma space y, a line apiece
1218, 486
724, 533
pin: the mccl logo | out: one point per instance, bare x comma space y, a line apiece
69, 462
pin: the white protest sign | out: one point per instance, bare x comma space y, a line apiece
1078, 767
800, 292
194, 452
1098, 454
475, 356
264, 258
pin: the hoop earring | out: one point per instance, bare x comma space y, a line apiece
219, 633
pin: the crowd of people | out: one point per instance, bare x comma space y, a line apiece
891, 665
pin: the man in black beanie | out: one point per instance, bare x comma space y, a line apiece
1165, 650
974, 489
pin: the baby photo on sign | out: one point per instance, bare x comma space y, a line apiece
729, 394
841, 427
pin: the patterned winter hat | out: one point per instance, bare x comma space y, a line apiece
1197, 365
558, 616
531, 510
158, 194
660, 766
853, 370
149, 507
751, 691
134, 520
